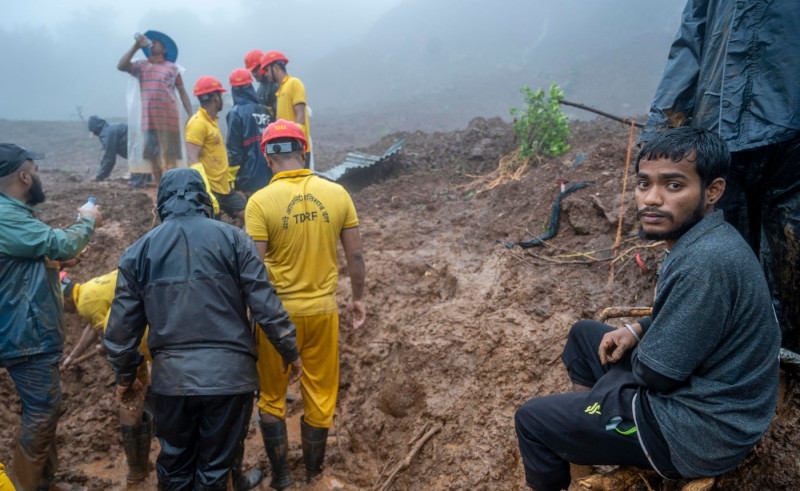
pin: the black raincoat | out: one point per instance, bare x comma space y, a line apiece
191, 279
734, 69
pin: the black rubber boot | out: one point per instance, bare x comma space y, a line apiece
276, 444
243, 482
150, 405
136, 441
314, 442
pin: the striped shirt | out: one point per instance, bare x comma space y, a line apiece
159, 105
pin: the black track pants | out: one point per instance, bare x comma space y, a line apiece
593, 427
199, 437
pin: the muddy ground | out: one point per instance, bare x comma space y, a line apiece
460, 331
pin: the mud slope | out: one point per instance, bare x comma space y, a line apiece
461, 330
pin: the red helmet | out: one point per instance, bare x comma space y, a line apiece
252, 60
283, 129
240, 77
207, 85
271, 57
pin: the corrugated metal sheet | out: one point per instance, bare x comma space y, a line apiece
359, 160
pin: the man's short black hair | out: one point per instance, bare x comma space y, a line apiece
297, 149
708, 151
207, 97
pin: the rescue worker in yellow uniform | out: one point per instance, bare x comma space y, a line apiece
290, 103
92, 300
296, 222
204, 145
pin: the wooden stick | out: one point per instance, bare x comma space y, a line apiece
624, 312
84, 357
407, 460
601, 113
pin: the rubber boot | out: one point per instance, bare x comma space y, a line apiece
314, 442
243, 482
150, 405
276, 443
136, 441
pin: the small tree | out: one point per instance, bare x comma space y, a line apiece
541, 127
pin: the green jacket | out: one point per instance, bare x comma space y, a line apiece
31, 304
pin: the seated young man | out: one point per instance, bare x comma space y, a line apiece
689, 390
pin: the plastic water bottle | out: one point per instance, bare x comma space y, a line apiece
138, 35
90, 203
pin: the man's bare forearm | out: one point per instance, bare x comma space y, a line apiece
357, 270
124, 64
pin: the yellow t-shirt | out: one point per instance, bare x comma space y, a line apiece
93, 299
290, 93
93, 303
301, 216
5, 482
203, 131
199, 168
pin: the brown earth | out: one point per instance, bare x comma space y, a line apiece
460, 332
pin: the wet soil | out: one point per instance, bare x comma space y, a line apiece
461, 330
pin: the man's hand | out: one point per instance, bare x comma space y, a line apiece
93, 212
358, 313
67, 363
297, 369
131, 397
615, 343
142, 42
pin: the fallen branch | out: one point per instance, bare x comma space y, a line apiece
615, 312
84, 357
601, 113
402, 465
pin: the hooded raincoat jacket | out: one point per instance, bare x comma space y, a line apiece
114, 138
191, 279
733, 69
31, 304
247, 121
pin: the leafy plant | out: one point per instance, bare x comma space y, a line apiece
541, 127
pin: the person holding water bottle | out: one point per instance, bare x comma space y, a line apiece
31, 309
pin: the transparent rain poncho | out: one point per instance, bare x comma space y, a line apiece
153, 120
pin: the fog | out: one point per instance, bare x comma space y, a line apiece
401, 61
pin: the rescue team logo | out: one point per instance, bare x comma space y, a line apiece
261, 120
303, 217
593, 409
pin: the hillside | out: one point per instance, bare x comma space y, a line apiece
461, 330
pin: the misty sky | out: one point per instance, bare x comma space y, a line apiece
78, 43
448, 59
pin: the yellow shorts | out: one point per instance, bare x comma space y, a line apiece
318, 341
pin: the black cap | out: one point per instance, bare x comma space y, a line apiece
12, 156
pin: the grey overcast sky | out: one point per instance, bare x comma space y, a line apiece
83, 40
437, 61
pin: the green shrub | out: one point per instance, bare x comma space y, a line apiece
541, 127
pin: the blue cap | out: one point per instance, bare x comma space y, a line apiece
169, 45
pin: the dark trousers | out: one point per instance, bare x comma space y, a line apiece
593, 427
200, 437
38, 384
762, 200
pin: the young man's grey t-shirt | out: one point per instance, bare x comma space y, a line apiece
713, 327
